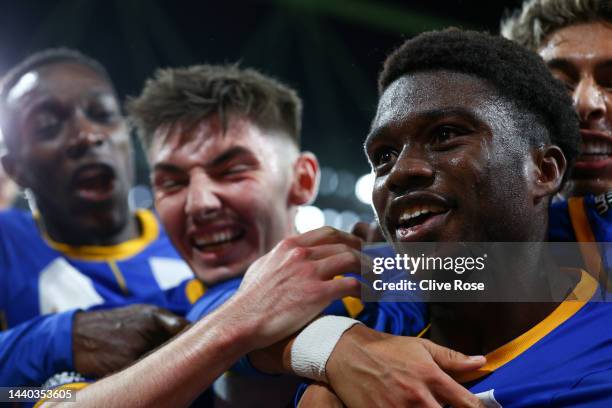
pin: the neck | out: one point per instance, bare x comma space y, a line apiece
477, 328
104, 232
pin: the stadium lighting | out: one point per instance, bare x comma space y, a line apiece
309, 217
363, 188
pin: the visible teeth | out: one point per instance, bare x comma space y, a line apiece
415, 211
218, 237
597, 147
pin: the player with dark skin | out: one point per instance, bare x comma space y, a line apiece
449, 146
577, 47
74, 153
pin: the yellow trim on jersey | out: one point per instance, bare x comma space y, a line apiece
352, 304
76, 386
584, 290
150, 232
580, 220
583, 233
194, 290
119, 277
425, 330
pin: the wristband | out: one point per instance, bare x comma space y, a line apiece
313, 346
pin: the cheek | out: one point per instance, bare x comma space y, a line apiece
469, 169
171, 214
45, 155
248, 200
379, 197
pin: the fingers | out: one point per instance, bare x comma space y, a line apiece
327, 235
451, 393
342, 287
451, 360
368, 232
327, 250
343, 262
361, 229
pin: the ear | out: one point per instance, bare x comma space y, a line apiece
14, 171
305, 182
550, 166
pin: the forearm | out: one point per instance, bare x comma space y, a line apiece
178, 372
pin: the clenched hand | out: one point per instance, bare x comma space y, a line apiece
106, 341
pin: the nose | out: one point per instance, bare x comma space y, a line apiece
203, 200
589, 101
86, 135
411, 171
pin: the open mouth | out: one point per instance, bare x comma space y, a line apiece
596, 153
595, 150
216, 240
417, 215
94, 182
415, 220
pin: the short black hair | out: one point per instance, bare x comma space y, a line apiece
194, 93
38, 59
518, 75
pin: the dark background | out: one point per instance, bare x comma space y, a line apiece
329, 50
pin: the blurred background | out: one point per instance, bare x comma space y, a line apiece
329, 50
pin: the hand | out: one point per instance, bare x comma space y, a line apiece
319, 395
292, 284
106, 341
373, 369
369, 233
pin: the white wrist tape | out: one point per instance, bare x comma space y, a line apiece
313, 346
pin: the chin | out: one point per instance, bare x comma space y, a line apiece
214, 275
106, 227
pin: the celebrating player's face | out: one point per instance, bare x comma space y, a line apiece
581, 56
449, 162
223, 196
73, 148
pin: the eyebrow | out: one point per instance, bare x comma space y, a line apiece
224, 157
228, 155
426, 116
166, 167
561, 63
46, 102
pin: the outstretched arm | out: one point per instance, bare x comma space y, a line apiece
280, 293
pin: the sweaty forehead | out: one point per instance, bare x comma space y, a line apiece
58, 79
207, 139
587, 41
432, 91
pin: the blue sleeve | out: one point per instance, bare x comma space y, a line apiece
33, 351
176, 300
398, 318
